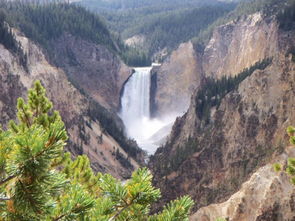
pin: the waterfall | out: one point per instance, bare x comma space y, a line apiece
136, 96
135, 112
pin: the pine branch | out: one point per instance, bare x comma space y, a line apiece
65, 214
4, 199
31, 200
124, 208
27, 118
59, 217
7, 179
48, 146
119, 212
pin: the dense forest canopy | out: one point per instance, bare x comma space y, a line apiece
163, 25
176, 27
44, 23
135, 4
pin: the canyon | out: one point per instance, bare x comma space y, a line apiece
124, 117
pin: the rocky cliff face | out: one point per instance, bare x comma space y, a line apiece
87, 136
176, 80
210, 162
97, 71
252, 38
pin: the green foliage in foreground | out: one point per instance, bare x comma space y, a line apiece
290, 168
39, 181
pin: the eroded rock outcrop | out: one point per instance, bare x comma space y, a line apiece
136, 41
240, 44
93, 68
87, 136
267, 195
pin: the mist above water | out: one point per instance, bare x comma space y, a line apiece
135, 112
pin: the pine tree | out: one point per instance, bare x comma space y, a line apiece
290, 167
39, 181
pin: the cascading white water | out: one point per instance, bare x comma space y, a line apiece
135, 111
136, 96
